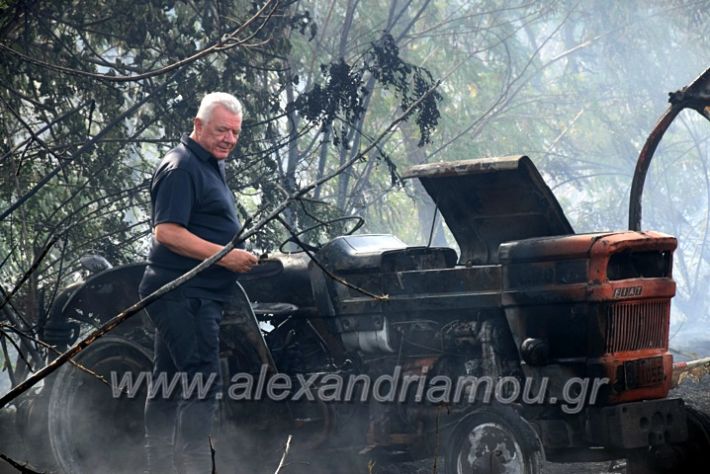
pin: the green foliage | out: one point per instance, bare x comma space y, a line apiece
344, 93
577, 86
98, 203
71, 67
341, 94
409, 81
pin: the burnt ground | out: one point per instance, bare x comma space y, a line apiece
696, 393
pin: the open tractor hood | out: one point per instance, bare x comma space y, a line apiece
489, 201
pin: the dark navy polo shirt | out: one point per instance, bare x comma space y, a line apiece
189, 189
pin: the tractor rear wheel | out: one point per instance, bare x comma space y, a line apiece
90, 429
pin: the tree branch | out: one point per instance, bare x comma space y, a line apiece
86, 146
46, 127
283, 456
226, 42
22, 468
330, 274
30, 271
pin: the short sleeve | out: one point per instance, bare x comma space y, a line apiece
173, 198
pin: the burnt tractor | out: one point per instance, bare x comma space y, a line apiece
529, 343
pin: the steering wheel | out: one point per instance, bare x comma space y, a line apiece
316, 235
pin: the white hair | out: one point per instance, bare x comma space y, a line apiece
213, 99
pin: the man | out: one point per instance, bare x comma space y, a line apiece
193, 216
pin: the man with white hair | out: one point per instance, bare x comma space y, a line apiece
193, 216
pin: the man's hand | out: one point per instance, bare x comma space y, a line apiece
183, 242
239, 261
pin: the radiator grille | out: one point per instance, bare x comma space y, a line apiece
637, 325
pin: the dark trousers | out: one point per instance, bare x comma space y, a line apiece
178, 423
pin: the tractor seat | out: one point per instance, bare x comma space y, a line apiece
263, 310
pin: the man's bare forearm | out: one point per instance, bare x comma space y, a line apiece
183, 242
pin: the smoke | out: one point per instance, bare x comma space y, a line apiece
90, 430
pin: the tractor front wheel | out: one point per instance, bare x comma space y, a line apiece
493, 440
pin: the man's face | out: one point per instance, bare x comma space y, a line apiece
219, 134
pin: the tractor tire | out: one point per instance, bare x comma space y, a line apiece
493, 439
90, 429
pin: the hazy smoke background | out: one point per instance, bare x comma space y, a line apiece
575, 86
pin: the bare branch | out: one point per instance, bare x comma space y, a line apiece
27, 127
22, 468
330, 274
46, 127
283, 457
20, 353
8, 362
87, 145
30, 271
212, 453
76, 364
